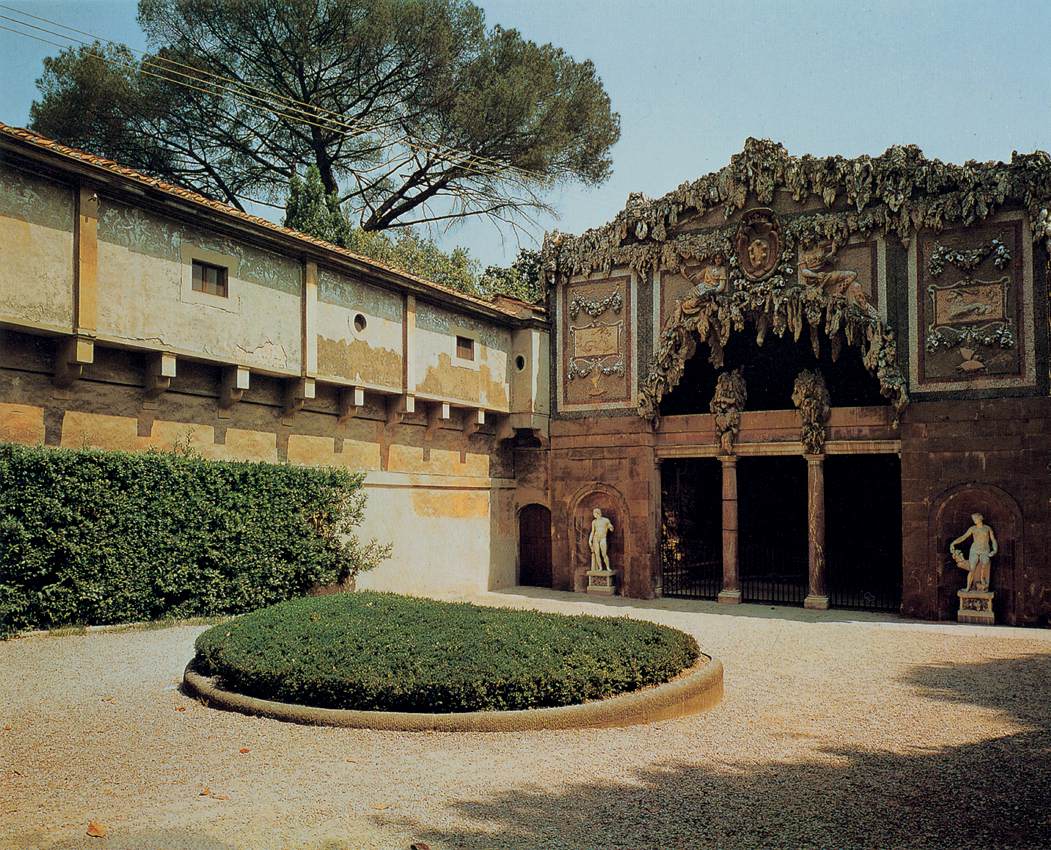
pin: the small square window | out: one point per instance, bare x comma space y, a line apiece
465, 348
209, 279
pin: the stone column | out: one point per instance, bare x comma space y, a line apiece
731, 592
817, 594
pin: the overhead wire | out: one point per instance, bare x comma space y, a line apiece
283, 106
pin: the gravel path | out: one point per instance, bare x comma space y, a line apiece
836, 731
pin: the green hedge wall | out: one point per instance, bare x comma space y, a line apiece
94, 537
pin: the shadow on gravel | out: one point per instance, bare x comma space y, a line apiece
994, 793
167, 839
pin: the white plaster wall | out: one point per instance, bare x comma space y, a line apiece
446, 541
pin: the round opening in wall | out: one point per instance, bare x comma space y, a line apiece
520, 362
360, 323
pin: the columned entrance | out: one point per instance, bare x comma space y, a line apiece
815, 530
863, 531
772, 523
691, 530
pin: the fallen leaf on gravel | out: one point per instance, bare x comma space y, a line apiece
222, 797
180, 708
96, 829
244, 750
7, 727
111, 700
205, 792
380, 806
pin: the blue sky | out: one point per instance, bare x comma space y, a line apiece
692, 80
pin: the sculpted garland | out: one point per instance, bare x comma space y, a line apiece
899, 192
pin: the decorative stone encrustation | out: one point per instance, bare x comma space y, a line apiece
601, 578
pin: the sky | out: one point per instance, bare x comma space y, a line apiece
692, 79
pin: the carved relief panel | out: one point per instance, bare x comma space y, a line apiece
852, 271
972, 322
596, 368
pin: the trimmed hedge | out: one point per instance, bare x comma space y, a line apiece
93, 537
381, 651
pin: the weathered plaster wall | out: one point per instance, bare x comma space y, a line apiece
424, 490
369, 357
145, 294
36, 251
440, 374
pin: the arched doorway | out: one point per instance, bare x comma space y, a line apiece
534, 546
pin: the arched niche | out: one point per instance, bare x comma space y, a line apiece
613, 505
949, 517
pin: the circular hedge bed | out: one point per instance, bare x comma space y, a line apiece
384, 652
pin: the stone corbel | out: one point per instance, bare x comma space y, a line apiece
351, 401
473, 419
159, 373
234, 382
398, 407
438, 414
71, 355
505, 430
297, 392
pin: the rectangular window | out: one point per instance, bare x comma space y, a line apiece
210, 279
465, 348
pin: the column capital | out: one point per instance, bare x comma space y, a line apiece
814, 459
727, 460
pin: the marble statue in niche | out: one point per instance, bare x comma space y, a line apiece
601, 577
601, 528
815, 268
979, 560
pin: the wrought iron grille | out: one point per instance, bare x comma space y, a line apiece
860, 586
771, 573
694, 578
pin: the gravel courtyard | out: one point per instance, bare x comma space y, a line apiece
837, 730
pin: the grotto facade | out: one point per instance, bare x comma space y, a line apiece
792, 381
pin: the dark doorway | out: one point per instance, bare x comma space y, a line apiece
534, 546
772, 523
863, 531
770, 371
691, 528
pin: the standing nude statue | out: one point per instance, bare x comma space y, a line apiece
600, 527
983, 548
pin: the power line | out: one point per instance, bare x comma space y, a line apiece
278, 104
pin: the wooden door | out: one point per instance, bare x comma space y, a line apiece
534, 546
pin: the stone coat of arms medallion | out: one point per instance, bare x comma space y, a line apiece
758, 243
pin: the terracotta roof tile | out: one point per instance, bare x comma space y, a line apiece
36, 140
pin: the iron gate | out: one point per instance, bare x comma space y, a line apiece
771, 573
698, 577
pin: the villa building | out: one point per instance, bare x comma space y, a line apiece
792, 381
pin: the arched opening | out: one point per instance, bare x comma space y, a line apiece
534, 546
769, 372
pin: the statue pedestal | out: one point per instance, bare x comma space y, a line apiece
602, 582
976, 606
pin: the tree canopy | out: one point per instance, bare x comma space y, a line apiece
310, 210
411, 110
